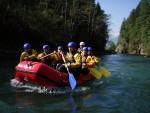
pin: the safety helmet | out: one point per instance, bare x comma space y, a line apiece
82, 44
46, 47
71, 44
85, 49
26, 46
89, 49
60, 48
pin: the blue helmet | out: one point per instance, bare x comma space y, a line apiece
89, 49
60, 48
85, 48
26, 46
71, 44
46, 47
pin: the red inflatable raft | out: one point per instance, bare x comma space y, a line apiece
41, 74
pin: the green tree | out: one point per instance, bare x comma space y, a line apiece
54, 22
110, 46
135, 29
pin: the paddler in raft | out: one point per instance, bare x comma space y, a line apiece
87, 62
58, 60
28, 54
92, 57
73, 60
46, 57
81, 45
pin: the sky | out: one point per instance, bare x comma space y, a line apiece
118, 9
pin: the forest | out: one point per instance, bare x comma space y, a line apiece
135, 31
53, 22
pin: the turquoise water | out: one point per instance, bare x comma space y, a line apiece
126, 91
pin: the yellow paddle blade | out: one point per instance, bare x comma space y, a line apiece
95, 73
99, 59
104, 71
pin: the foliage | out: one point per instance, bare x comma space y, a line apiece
54, 22
135, 30
110, 46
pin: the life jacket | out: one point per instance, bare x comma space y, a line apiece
32, 55
95, 59
58, 57
71, 57
74, 59
83, 61
92, 60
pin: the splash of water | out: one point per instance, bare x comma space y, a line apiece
28, 87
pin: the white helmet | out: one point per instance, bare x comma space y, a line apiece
82, 43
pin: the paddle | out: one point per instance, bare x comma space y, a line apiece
98, 73
46, 55
72, 103
95, 73
72, 80
104, 71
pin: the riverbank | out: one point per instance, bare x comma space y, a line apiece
147, 56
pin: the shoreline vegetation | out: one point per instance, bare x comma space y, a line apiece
134, 35
57, 22
53, 22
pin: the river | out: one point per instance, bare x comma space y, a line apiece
127, 90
